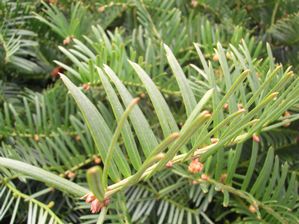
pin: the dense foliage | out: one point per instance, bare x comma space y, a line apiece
157, 111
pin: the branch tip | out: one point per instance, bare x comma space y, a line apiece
135, 100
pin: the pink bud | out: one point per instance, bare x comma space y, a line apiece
96, 206
256, 138
169, 164
287, 114
225, 106
68, 39
252, 209
89, 197
86, 86
204, 177
194, 3
194, 182
195, 166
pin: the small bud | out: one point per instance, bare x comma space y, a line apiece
71, 175
169, 164
252, 209
287, 114
142, 95
215, 57
89, 197
124, 7
55, 72
96, 206
36, 137
256, 138
194, 182
225, 106
101, 8
77, 138
68, 40
51, 204
86, 86
195, 166
96, 159
248, 8
194, 3
204, 177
